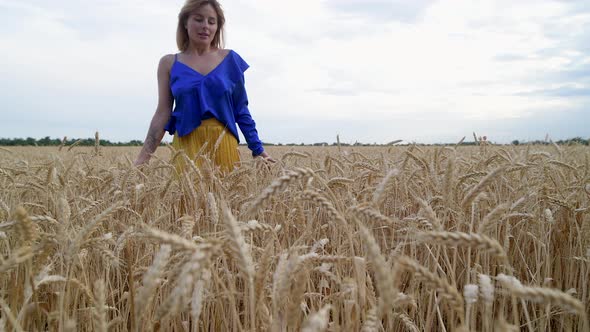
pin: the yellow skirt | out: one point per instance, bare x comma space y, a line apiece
224, 153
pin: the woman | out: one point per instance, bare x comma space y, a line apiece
206, 85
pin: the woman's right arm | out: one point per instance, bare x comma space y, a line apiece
163, 111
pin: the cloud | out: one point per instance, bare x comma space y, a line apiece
562, 91
372, 70
507, 57
380, 10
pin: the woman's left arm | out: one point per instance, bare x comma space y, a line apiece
247, 124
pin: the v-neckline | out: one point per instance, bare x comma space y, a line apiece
211, 71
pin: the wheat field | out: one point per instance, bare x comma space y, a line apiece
399, 238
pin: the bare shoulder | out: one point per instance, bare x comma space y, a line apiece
166, 62
223, 52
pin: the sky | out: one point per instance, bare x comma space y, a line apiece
370, 71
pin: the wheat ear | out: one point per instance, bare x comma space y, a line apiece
407, 321
372, 323
145, 292
27, 229
197, 268
472, 240
448, 182
367, 213
241, 252
317, 321
99, 313
428, 212
383, 275
486, 292
366, 166
277, 186
91, 226
294, 154
418, 160
280, 287
174, 240
490, 219
382, 187
543, 295
339, 181
445, 289
483, 183
13, 321
315, 196
212, 208
20, 255
197, 300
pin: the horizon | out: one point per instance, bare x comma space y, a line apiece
466, 140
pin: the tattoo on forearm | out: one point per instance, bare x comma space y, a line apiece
153, 139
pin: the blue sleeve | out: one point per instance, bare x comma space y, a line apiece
245, 121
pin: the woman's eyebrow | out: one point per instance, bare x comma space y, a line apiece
202, 16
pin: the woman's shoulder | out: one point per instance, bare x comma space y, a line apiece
223, 52
166, 62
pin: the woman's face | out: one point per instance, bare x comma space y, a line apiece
201, 25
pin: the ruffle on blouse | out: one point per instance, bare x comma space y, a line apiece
196, 94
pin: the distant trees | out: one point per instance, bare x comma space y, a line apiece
48, 141
573, 141
570, 141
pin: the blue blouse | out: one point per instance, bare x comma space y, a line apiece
220, 94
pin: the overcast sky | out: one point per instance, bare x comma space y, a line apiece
368, 70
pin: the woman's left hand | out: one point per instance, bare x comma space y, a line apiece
267, 157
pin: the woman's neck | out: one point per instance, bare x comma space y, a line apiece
199, 49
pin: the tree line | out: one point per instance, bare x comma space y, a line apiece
48, 141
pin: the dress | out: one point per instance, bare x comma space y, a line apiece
207, 105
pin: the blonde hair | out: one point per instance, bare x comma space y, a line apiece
182, 39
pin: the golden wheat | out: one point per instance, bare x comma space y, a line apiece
389, 238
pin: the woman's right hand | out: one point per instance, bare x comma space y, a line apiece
141, 160
264, 155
